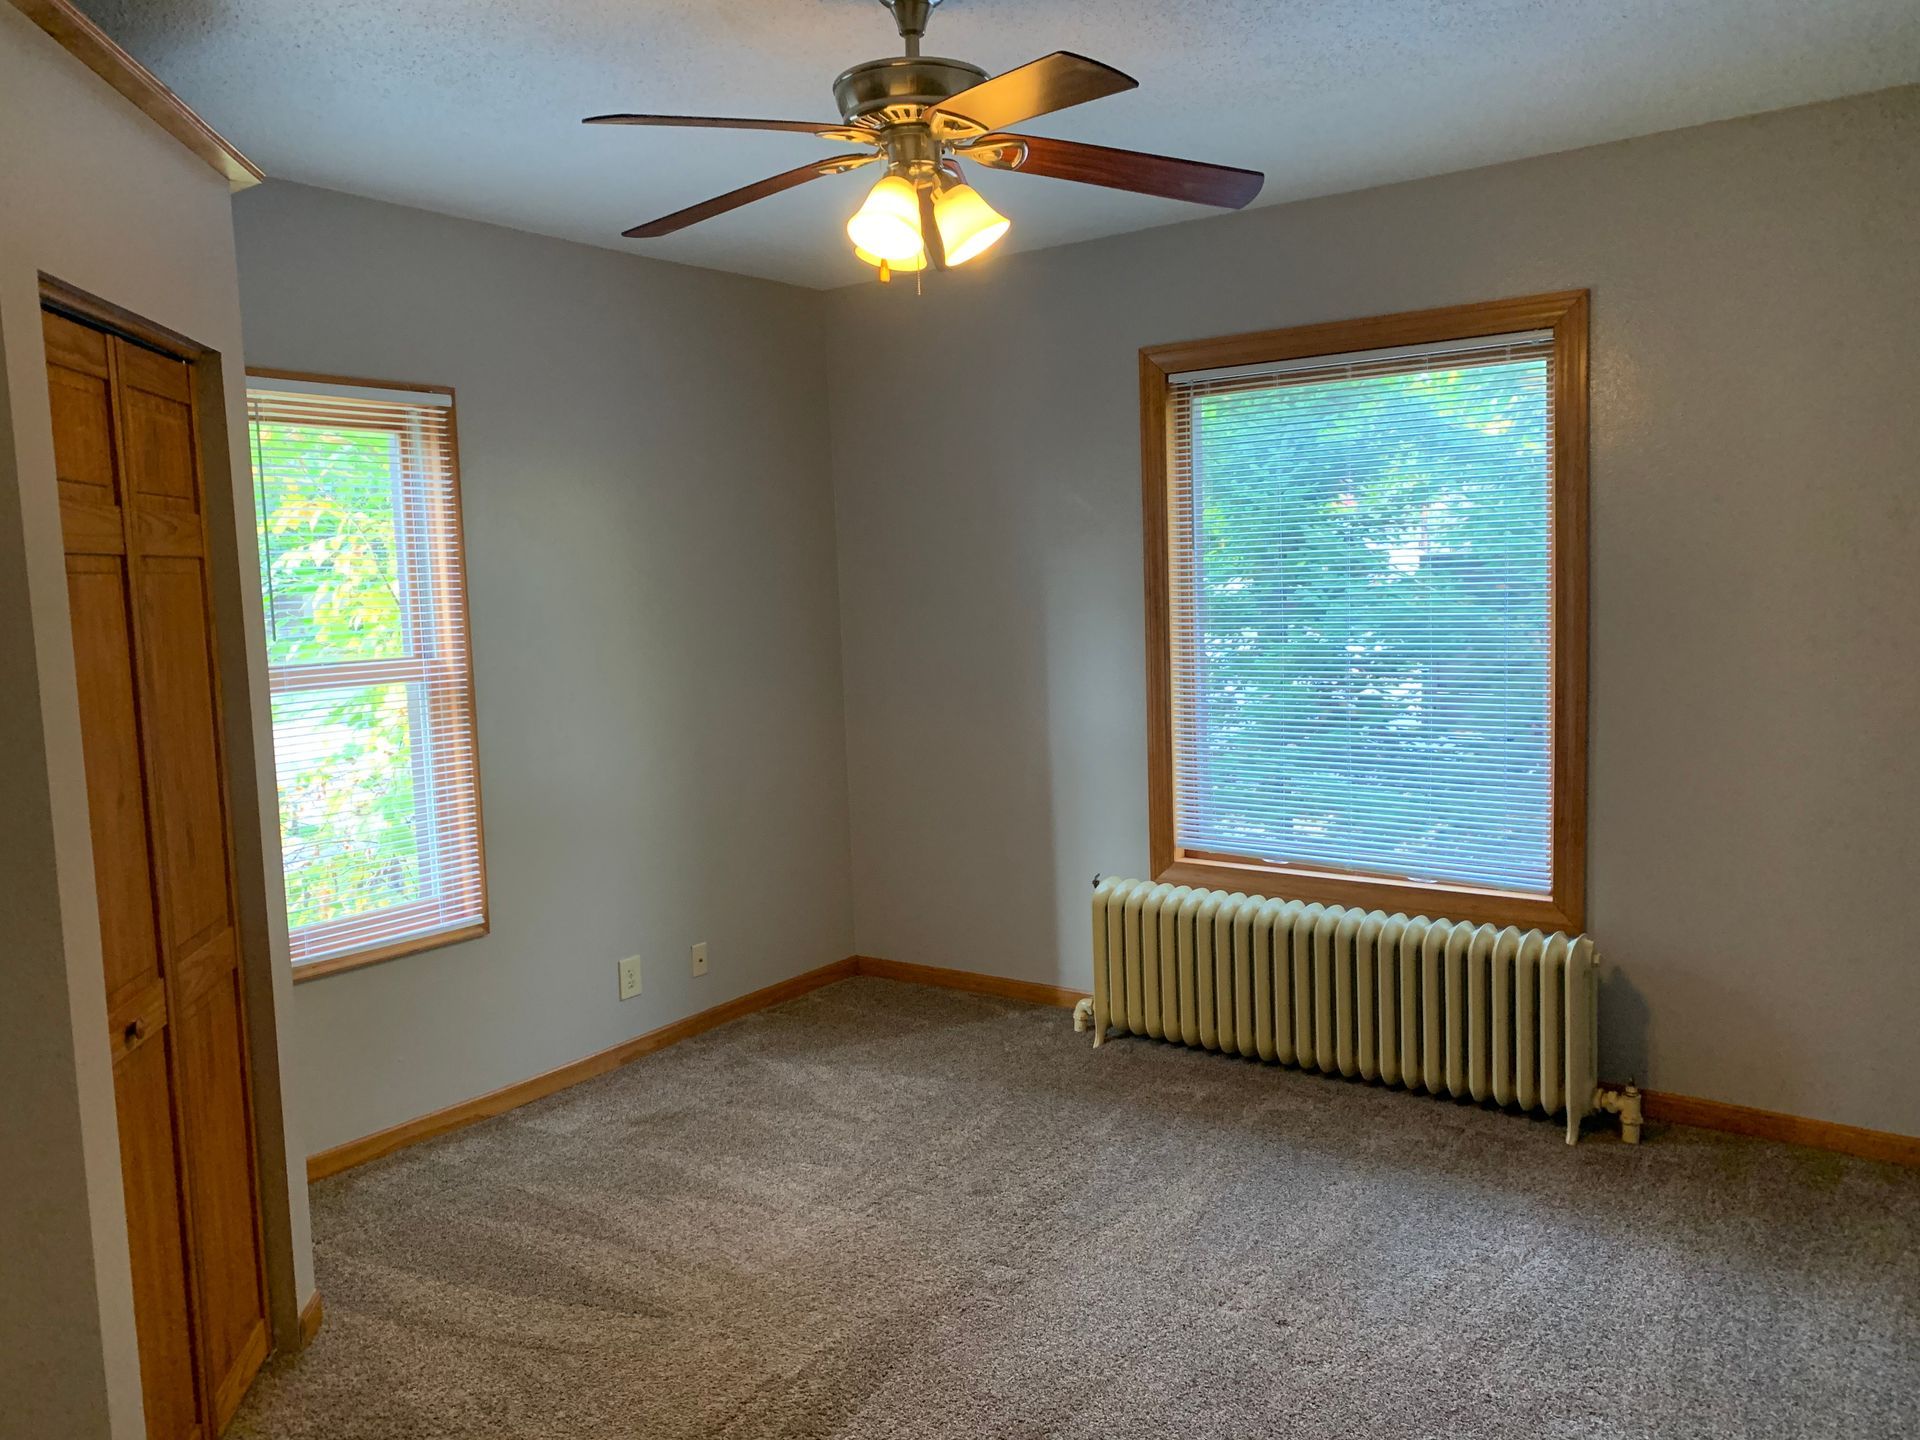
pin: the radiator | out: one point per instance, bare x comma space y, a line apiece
1468, 1011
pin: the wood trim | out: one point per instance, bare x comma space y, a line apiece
1411, 897
1660, 1106
1373, 332
1884, 1145
95, 49
305, 970
90, 309
1563, 312
453, 535
312, 1315
1568, 593
457, 529
316, 377
1156, 466
971, 981
511, 1097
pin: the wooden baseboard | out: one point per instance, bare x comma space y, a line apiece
1660, 1106
1666, 1109
311, 1314
972, 981
511, 1097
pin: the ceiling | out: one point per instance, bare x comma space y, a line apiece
472, 107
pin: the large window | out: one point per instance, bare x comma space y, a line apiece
362, 570
1367, 611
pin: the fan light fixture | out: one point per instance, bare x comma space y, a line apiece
969, 226
888, 223
918, 116
885, 230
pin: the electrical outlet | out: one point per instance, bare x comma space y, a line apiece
700, 958
630, 977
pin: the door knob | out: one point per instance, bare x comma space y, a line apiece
137, 1031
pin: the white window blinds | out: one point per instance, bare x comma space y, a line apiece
1361, 586
368, 657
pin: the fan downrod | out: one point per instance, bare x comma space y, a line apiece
910, 18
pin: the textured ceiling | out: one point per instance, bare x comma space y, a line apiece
472, 107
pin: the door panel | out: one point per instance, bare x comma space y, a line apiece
180, 698
156, 1236
83, 427
184, 757
116, 790
159, 448
127, 460
85, 447
221, 1185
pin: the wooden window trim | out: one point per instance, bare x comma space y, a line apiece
407, 668
1565, 314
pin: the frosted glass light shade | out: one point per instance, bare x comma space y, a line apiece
887, 224
968, 224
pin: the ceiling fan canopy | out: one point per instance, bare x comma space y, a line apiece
920, 115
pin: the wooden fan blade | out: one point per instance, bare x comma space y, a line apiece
1133, 170
1053, 82
853, 134
746, 195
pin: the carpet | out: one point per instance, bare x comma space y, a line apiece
882, 1210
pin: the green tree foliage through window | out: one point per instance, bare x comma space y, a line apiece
1363, 671
331, 534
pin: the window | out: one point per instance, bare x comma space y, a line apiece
362, 571
1366, 560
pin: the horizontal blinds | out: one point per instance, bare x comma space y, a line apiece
363, 577
1361, 567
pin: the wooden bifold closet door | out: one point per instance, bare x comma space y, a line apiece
127, 455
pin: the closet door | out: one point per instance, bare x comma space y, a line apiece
130, 489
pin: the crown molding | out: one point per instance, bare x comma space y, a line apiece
95, 49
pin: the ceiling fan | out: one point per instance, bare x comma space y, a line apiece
920, 115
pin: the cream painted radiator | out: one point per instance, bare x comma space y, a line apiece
1450, 1009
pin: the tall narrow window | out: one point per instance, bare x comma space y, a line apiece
362, 570
1368, 648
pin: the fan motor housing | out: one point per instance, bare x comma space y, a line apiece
900, 87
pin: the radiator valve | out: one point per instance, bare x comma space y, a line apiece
1624, 1102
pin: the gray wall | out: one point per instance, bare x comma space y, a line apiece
1756, 598
147, 227
649, 524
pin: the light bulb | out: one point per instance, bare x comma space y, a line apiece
968, 224
888, 223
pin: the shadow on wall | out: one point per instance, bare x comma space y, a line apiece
1624, 1023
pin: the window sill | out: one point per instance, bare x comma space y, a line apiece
1476, 904
304, 971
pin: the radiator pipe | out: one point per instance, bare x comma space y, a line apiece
1624, 1102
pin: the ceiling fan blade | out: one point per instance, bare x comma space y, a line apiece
1133, 170
853, 134
746, 195
1053, 82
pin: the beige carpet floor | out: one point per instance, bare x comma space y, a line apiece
887, 1211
